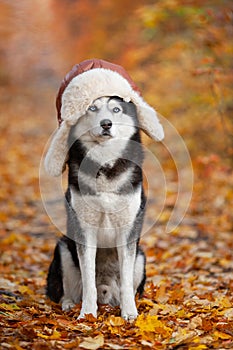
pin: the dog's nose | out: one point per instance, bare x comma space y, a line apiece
106, 124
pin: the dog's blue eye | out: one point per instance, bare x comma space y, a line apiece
92, 108
116, 110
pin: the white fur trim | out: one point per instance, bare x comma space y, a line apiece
57, 153
87, 87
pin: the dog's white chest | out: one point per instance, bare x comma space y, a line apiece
106, 214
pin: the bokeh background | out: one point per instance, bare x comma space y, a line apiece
179, 52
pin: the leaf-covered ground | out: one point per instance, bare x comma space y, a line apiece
187, 303
185, 50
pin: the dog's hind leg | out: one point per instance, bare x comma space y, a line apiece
139, 272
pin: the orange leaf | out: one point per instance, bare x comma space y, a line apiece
116, 321
161, 296
176, 296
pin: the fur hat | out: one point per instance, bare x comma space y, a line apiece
87, 81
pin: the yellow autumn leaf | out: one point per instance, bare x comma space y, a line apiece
222, 335
17, 347
25, 290
93, 343
146, 302
224, 302
53, 336
11, 238
198, 347
148, 325
9, 307
183, 314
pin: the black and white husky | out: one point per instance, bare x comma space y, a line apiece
100, 260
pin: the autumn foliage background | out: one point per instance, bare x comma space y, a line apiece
180, 55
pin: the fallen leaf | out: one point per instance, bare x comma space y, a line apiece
9, 307
92, 343
176, 296
25, 290
116, 321
90, 318
182, 335
222, 335
198, 347
161, 295
55, 335
149, 326
114, 346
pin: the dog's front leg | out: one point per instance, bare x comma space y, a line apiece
126, 256
87, 255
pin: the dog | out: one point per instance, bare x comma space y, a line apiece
100, 111
100, 260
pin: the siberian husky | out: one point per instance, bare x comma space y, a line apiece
100, 260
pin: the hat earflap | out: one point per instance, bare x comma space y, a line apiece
148, 119
56, 156
149, 123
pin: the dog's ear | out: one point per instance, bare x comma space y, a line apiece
56, 157
149, 122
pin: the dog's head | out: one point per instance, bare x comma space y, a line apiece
106, 118
75, 103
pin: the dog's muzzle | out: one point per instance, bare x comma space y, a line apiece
106, 125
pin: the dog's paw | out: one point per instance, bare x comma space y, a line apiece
129, 317
87, 311
129, 312
67, 305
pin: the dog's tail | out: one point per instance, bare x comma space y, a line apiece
54, 289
